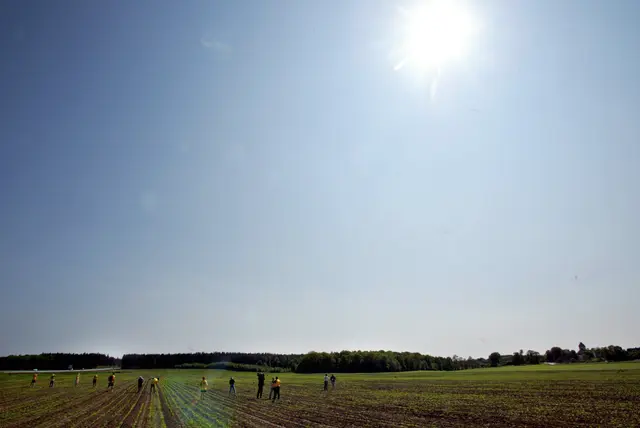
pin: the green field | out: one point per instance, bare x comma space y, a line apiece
535, 396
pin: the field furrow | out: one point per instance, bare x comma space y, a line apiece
90, 413
537, 397
136, 413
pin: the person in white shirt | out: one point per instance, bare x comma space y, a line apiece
326, 382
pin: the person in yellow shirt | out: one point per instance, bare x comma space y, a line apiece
154, 384
276, 389
34, 379
77, 379
203, 386
95, 380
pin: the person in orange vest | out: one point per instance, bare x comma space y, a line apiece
34, 379
112, 382
276, 389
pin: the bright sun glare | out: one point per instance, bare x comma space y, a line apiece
434, 33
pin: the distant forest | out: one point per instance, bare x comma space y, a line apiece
317, 362
558, 355
313, 362
58, 361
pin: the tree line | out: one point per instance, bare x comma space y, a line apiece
231, 366
200, 359
380, 361
372, 361
57, 361
316, 362
313, 362
558, 355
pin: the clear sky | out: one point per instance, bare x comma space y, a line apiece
264, 176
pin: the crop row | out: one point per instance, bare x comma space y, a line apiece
106, 409
608, 399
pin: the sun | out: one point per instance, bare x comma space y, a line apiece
434, 33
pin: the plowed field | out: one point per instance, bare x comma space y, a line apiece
541, 396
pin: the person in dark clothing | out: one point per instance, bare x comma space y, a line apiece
232, 386
273, 385
140, 382
333, 381
260, 384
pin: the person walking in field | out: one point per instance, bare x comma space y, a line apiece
273, 385
34, 379
112, 382
140, 383
333, 381
326, 382
203, 387
232, 387
276, 389
154, 384
260, 384
77, 379
52, 381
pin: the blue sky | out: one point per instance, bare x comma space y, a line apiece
256, 176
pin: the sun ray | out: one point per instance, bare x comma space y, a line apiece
400, 64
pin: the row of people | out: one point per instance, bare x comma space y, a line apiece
275, 387
273, 394
111, 381
52, 380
